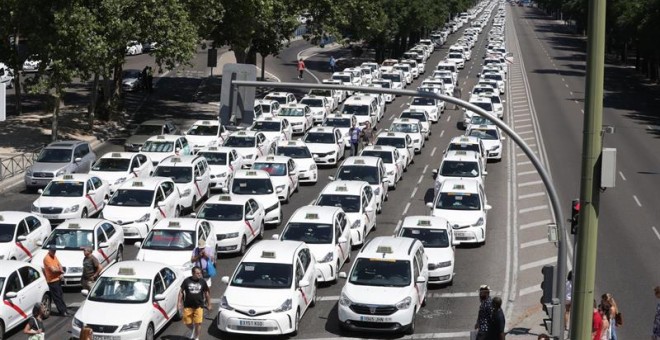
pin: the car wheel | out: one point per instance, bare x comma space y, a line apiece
150, 333
243, 246
84, 213
120, 254
296, 323
313, 302
348, 257
411, 328
2, 330
394, 185
261, 231
177, 212
281, 218
46, 302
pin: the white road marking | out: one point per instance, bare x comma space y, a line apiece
405, 210
402, 104
566, 85
582, 110
534, 224
398, 225
421, 178
448, 118
533, 243
526, 139
656, 232
412, 195
525, 132
433, 151
391, 118
637, 200
622, 176
524, 126
426, 167
442, 133
539, 263
524, 163
532, 209
525, 173
529, 290
527, 184
532, 195
522, 120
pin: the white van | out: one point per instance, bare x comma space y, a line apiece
364, 108
6, 75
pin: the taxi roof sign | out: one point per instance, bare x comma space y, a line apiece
378, 147
206, 122
67, 177
176, 160
268, 254
384, 250
115, 154
241, 133
213, 148
391, 134
126, 271
424, 223
74, 226
460, 153
174, 224
138, 184
160, 137
292, 142
312, 216
270, 158
251, 173
224, 198
2, 218
459, 187
341, 188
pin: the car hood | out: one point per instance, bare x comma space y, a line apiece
247, 151
490, 143
68, 258
129, 80
158, 156
64, 202
137, 139
48, 167
5, 248
373, 295
320, 250
274, 135
226, 227
173, 258
257, 299
321, 147
111, 176
424, 108
295, 119
437, 255
304, 163
202, 141
462, 218
95, 313
218, 169
124, 214
317, 110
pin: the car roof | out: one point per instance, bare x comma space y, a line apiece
385, 148
291, 143
461, 155
276, 94
13, 216
244, 133
294, 106
314, 213
425, 222
265, 101
180, 160
340, 115
361, 160
9, 266
68, 144
207, 122
311, 96
245, 173
341, 187
272, 159
269, 119
405, 121
322, 129
273, 251
166, 138
149, 183
359, 100
181, 223
133, 268
228, 199
119, 155
460, 185
464, 140
224, 149
73, 178
391, 134
81, 223
388, 247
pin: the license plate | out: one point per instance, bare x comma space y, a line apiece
459, 233
375, 318
50, 217
104, 337
251, 323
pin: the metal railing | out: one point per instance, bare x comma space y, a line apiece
10, 167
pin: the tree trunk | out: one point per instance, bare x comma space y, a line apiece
115, 105
56, 112
263, 67
17, 77
91, 110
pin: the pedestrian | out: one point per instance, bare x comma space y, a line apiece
333, 64
301, 68
54, 272
143, 77
614, 315
596, 323
193, 297
457, 94
569, 297
485, 315
656, 321
34, 328
355, 133
368, 134
91, 269
499, 321
150, 79
604, 311
202, 257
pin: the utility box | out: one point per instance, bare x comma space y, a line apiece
608, 168
237, 103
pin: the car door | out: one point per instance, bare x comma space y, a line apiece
211, 238
146, 166
342, 232
114, 240
206, 175
259, 214
37, 232
340, 144
410, 146
398, 161
419, 288
261, 144
422, 261
91, 202
159, 312
32, 287
369, 201
251, 228
18, 306
104, 255
170, 198
186, 147
101, 190
305, 271
293, 174
308, 117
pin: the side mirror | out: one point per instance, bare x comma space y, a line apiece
502, 138
105, 201
198, 179
368, 209
488, 207
140, 149
303, 283
177, 149
91, 192
77, 160
40, 243
137, 244
193, 215
225, 279
10, 295
435, 171
420, 279
40, 191
161, 204
342, 275
21, 238
332, 178
84, 292
225, 190
342, 240
159, 297
103, 245
429, 205
293, 172
275, 236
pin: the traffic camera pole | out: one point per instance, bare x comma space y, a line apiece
587, 242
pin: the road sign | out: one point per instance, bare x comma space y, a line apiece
212, 57
237, 103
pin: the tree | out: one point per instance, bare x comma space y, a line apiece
275, 26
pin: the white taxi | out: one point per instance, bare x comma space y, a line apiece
326, 232
401, 141
459, 164
386, 84
423, 118
319, 106
130, 300
386, 286
267, 107
412, 128
299, 115
368, 169
491, 137
250, 145
160, 147
222, 162
19, 234
117, 167
298, 151
326, 144
358, 202
274, 128
283, 174
205, 133
437, 237
139, 204
343, 122
284, 98
71, 196
22, 286
270, 290
463, 203
339, 94
394, 163
236, 220
172, 241
192, 177
258, 185
433, 107
485, 103
468, 143
333, 97
104, 237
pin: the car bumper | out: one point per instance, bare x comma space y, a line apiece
269, 324
329, 159
36, 182
326, 272
470, 235
273, 216
218, 183
59, 218
495, 154
298, 128
129, 335
395, 322
441, 275
134, 230
228, 245
309, 176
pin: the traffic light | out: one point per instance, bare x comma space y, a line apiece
575, 214
547, 285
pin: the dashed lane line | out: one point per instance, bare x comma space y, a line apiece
533, 243
534, 224
637, 200
532, 209
528, 184
412, 195
538, 263
433, 151
532, 195
525, 173
529, 290
622, 176
656, 232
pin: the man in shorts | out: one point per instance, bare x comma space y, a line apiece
194, 295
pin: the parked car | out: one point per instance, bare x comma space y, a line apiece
57, 159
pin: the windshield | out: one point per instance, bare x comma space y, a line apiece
54, 156
112, 164
407, 128
294, 152
6, 234
402, 68
447, 81
459, 169
323, 93
484, 105
154, 146
274, 169
431, 238
125, 74
447, 68
343, 79
455, 56
464, 147
386, 156
393, 77
368, 174
120, 290
281, 100
479, 90
338, 122
263, 275
291, 112
64, 189
252, 186
264, 108
350, 203
380, 273
397, 142
322, 138
70, 239
458, 201
358, 110
167, 239
132, 198
484, 134
385, 84
423, 101
221, 212
312, 102
310, 233
179, 174
267, 126
203, 130
240, 142
148, 130
214, 158
493, 76
414, 115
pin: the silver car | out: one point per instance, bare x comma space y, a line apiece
148, 129
59, 158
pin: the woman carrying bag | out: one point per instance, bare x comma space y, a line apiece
34, 328
203, 258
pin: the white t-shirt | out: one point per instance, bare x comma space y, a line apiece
569, 290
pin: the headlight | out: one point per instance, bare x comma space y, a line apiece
72, 209
185, 193
415, 140
404, 304
34, 208
28, 171
312, 167
77, 323
144, 218
224, 304
59, 173
188, 265
133, 326
297, 123
286, 306
332, 153
231, 235
494, 148
344, 301
279, 188
377, 191
328, 257
356, 224
444, 264
479, 223
249, 156
120, 180
390, 173
224, 174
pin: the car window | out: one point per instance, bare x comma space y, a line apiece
184, 142
198, 171
33, 223
135, 163
97, 182
28, 275
337, 230
100, 236
13, 283
300, 273
206, 227
305, 258
369, 193
159, 195
159, 285
22, 229
168, 188
109, 229
342, 222
255, 205
142, 158
415, 268
84, 149
168, 277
